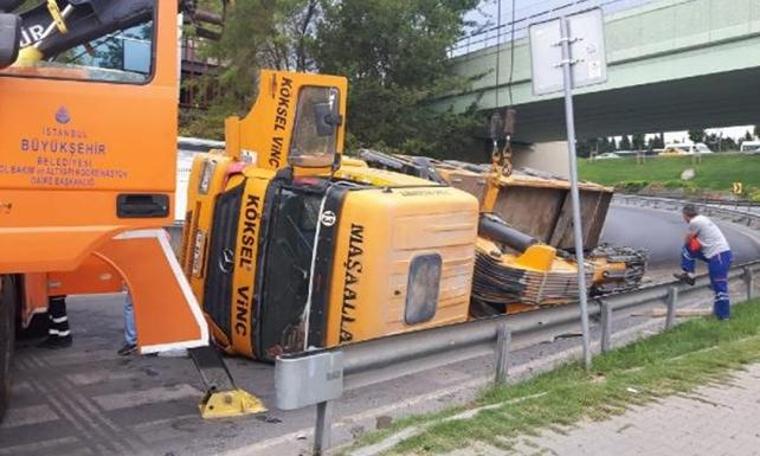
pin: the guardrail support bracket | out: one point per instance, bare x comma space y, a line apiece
749, 282
606, 341
670, 318
322, 431
503, 340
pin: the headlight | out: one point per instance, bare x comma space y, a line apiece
422, 289
199, 248
207, 173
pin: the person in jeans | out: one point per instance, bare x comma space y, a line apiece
704, 241
130, 330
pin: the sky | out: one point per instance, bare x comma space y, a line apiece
486, 15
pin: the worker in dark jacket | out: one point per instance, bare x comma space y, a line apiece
704, 241
59, 333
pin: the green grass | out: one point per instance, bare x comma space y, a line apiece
697, 352
717, 171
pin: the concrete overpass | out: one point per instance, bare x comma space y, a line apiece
673, 64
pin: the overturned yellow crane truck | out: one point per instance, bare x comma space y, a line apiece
524, 258
287, 251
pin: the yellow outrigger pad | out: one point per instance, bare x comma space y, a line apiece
223, 399
228, 404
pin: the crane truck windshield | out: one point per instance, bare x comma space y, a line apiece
10, 31
90, 40
316, 128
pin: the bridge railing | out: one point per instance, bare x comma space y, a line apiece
492, 35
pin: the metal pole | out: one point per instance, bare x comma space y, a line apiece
503, 339
322, 428
577, 227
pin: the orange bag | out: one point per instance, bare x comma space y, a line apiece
694, 245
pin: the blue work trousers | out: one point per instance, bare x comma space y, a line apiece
718, 266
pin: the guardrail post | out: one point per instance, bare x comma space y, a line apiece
672, 302
606, 327
323, 428
503, 339
749, 282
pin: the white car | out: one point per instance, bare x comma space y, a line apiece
607, 156
750, 147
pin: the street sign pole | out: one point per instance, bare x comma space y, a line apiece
568, 53
567, 71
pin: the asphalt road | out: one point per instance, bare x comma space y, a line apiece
87, 400
661, 233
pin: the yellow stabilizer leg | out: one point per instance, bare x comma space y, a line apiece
227, 404
223, 399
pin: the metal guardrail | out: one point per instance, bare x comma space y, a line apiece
748, 215
320, 377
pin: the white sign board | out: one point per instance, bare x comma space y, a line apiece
587, 52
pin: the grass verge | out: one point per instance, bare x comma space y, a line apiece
717, 171
697, 352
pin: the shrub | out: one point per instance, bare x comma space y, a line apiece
632, 186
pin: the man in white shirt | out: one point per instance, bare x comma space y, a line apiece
705, 241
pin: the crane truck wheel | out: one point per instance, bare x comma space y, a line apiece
36, 329
8, 303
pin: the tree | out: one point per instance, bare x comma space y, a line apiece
625, 143
660, 143
697, 135
729, 143
582, 148
713, 141
604, 145
251, 40
652, 143
638, 141
748, 136
394, 53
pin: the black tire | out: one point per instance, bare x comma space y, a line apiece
37, 329
8, 303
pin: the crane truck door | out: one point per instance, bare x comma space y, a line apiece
89, 122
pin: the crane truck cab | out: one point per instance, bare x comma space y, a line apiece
287, 249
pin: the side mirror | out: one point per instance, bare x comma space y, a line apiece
314, 143
327, 118
10, 37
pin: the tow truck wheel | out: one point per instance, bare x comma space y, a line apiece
8, 303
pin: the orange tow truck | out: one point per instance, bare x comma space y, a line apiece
284, 249
88, 113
